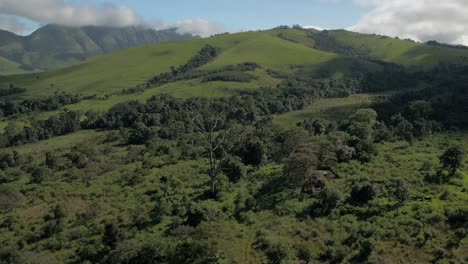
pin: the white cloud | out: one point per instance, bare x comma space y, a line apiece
368, 2
66, 13
198, 27
314, 27
422, 20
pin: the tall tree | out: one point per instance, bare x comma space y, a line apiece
210, 122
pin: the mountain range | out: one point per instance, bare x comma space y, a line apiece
54, 46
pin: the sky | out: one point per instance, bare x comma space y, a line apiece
421, 20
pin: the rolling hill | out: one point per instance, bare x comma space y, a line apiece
284, 51
54, 46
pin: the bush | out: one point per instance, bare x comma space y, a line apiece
276, 253
232, 76
329, 199
300, 166
203, 211
363, 193
457, 215
233, 168
10, 198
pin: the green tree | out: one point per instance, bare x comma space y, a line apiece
363, 192
50, 160
329, 199
112, 235
452, 159
300, 165
362, 123
401, 190
276, 253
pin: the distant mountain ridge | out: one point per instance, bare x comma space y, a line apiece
54, 46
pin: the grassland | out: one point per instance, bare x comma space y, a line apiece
331, 109
8, 67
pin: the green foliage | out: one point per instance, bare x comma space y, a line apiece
204, 211
363, 193
11, 90
328, 200
452, 159
204, 56
10, 198
233, 168
54, 102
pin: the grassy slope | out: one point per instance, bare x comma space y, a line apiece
127, 68
398, 51
266, 50
281, 50
9, 67
109, 73
331, 109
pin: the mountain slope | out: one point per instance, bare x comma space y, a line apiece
278, 52
54, 46
393, 50
123, 69
10, 67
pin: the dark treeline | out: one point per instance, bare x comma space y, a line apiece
57, 125
205, 55
11, 90
323, 41
168, 117
54, 102
445, 100
445, 45
410, 114
247, 107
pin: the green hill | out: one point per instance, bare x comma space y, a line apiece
54, 46
278, 146
9, 67
280, 50
127, 68
279, 53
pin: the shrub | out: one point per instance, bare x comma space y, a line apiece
363, 193
233, 168
204, 211
10, 198
276, 253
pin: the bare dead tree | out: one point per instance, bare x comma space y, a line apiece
210, 122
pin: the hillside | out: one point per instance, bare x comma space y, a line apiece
54, 46
282, 51
393, 50
277, 146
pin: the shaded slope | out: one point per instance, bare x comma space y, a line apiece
393, 50
54, 46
